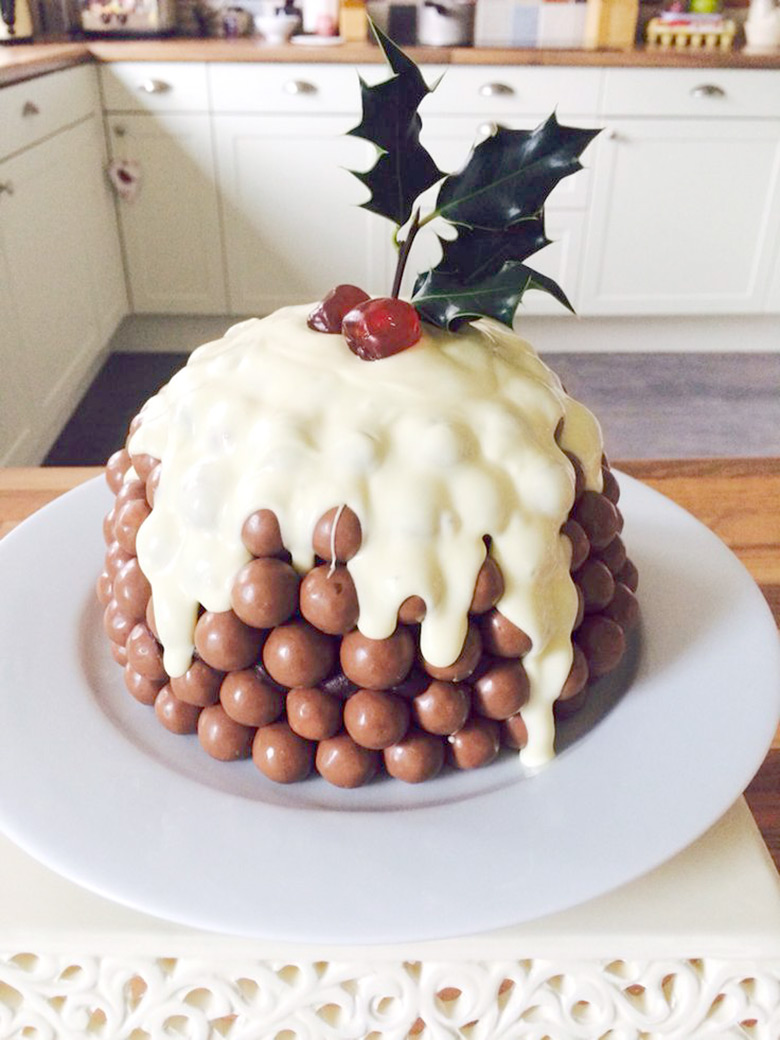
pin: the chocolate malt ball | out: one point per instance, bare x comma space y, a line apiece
501, 637
597, 584
174, 714
199, 685
375, 719
443, 707
296, 654
108, 526
343, 763
416, 758
222, 737
412, 610
580, 609
225, 642
598, 518
501, 691
613, 555
249, 700
489, 587
338, 685
580, 546
313, 714
602, 641
130, 490
129, 518
265, 592
476, 745
116, 557
119, 653
261, 534
415, 682
150, 620
116, 467
628, 575
104, 589
144, 653
282, 755
117, 625
329, 600
611, 487
337, 535
514, 732
144, 464
577, 678
142, 688
132, 589
623, 608
377, 664
466, 661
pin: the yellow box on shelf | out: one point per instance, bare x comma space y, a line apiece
611, 23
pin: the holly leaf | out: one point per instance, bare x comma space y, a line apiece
478, 253
404, 169
509, 175
443, 299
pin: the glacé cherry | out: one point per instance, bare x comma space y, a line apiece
328, 315
378, 328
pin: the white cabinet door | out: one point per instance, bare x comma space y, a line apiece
171, 231
684, 218
293, 225
16, 410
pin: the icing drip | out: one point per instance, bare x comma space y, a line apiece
432, 449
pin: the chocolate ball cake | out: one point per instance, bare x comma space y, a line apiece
362, 569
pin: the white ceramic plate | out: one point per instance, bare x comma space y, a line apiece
91, 785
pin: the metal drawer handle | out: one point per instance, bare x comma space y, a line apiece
6, 187
487, 129
496, 90
299, 86
154, 86
710, 90
29, 108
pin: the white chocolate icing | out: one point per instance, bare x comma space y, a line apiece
432, 448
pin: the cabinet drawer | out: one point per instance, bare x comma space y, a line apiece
141, 86
493, 91
282, 88
34, 109
699, 93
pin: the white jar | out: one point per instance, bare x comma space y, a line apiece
321, 17
446, 23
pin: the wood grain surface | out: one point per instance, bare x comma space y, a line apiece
738, 499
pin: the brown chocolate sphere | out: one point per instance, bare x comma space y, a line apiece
338, 685
313, 714
412, 610
129, 518
174, 714
598, 518
611, 487
265, 592
580, 546
150, 619
577, 678
117, 625
144, 464
261, 534
141, 687
342, 543
416, 758
443, 707
104, 588
628, 575
199, 685
282, 755
377, 663
132, 589
329, 600
375, 719
108, 526
602, 641
501, 637
623, 607
597, 584
119, 653
489, 587
614, 554
116, 558
501, 691
296, 654
152, 483
144, 653
580, 609
476, 744
514, 732
129, 490
579, 475
223, 737
116, 467
225, 642
344, 763
249, 700
466, 661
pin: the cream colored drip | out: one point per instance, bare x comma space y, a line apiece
433, 448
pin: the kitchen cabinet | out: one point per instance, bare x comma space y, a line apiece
62, 271
685, 211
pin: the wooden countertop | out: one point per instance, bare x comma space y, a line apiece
735, 498
28, 60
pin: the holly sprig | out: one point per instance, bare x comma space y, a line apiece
495, 203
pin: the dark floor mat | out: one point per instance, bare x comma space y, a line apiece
99, 424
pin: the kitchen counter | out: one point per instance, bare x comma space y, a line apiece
29, 60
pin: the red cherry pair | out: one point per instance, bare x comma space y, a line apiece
373, 329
